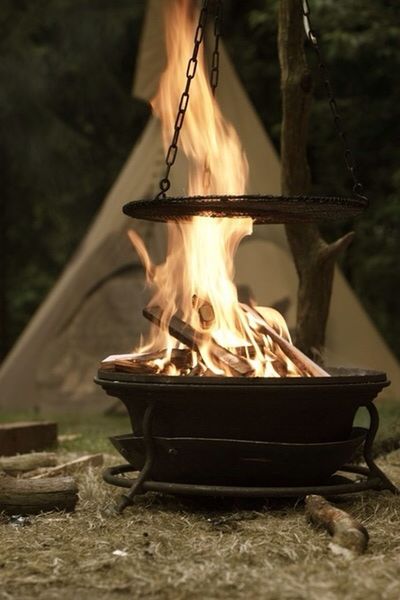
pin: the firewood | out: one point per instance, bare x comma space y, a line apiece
134, 359
127, 366
181, 358
22, 437
302, 362
205, 310
349, 536
90, 460
26, 497
21, 463
193, 339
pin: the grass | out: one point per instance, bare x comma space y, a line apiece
170, 548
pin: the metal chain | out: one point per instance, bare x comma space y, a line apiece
214, 75
165, 183
358, 189
214, 78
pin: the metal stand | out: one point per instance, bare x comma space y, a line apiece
372, 478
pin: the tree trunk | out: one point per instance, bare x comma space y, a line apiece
313, 257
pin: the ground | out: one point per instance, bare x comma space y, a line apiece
168, 548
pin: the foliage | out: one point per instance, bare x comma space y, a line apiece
68, 121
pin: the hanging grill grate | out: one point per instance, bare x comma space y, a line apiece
261, 208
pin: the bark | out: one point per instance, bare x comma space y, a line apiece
22, 463
26, 497
314, 259
349, 537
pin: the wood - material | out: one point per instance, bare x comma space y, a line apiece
314, 259
22, 437
22, 463
27, 496
349, 536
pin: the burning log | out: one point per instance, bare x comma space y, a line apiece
26, 497
205, 310
302, 362
349, 536
193, 339
22, 463
181, 358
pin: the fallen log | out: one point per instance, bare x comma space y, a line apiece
22, 463
302, 362
91, 460
18, 438
193, 339
27, 497
349, 537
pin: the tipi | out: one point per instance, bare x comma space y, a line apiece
95, 308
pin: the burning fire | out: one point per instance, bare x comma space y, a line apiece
195, 303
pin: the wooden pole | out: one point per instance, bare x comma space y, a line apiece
314, 259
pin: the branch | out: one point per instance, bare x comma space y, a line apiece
349, 537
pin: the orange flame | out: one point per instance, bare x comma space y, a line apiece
200, 254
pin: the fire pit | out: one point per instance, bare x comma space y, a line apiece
221, 402
270, 437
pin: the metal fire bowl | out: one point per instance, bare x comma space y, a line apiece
239, 462
291, 410
262, 209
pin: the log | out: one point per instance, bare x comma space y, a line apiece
193, 339
128, 366
27, 497
349, 537
302, 362
90, 460
22, 463
205, 310
22, 437
144, 363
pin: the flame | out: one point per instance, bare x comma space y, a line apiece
200, 254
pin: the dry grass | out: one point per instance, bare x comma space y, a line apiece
209, 549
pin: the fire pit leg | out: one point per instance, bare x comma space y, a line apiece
372, 431
126, 499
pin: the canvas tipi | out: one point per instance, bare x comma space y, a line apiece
95, 308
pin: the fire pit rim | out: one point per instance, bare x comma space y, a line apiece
339, 377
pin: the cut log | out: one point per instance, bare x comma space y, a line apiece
26, 497
21, 463
302, 362
205, 310
19, 438
90, 460
193, 339
127, 366
349, 536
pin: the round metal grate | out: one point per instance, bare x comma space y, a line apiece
261, 208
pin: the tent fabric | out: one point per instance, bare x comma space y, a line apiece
95, 307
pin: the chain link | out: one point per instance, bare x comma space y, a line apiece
349, 161
214, 75
170, 158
